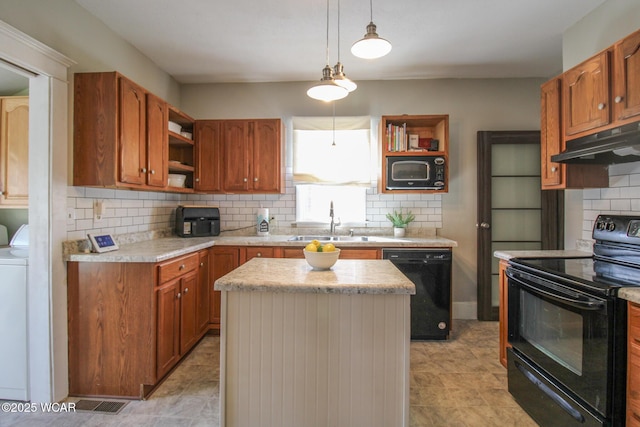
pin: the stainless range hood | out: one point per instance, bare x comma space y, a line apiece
617, 145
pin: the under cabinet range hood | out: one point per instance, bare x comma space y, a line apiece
617, 145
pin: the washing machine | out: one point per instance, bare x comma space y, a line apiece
14, 378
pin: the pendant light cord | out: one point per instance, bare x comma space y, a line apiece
338, 30
334, 123
327, 32
371, 9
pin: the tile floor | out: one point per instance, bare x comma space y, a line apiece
458, 382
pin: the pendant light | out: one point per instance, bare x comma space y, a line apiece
338, 69
371, 46
327, 90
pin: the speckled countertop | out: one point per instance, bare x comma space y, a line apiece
630, 294
295, 275
162, 249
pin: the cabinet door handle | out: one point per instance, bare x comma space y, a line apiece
554, 169
601, 106
244, 179
255, 179
202, 264
144, 170
179, 295
186, 290
197, 179
153, 171
618, 99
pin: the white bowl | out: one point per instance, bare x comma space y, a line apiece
175, 127
187, 135
321, 260
176, 180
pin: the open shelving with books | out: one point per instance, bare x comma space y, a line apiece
407, 134
413, 135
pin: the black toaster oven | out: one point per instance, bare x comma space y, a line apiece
197, 221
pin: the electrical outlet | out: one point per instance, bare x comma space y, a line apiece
98, 207
71, 214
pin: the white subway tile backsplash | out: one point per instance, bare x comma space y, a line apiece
621, 198
135, 211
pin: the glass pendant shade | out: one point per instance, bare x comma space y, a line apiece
327, 90
371, 46
341, 79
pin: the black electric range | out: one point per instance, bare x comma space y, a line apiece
567, 328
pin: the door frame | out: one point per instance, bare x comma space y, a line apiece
552, 205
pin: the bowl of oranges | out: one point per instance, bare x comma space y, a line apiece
321, 256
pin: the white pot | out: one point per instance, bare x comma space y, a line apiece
398, 231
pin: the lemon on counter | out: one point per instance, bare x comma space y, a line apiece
311, 247
329, 247
316, 243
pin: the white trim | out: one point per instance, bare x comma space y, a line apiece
48, 141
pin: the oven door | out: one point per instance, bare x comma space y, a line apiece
565, 333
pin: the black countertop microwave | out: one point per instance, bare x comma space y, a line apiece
416, 173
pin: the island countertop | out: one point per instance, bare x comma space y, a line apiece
295, 275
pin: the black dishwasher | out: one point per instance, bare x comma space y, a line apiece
430, 271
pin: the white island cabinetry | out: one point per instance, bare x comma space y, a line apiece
315, 348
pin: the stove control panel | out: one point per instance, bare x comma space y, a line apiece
617, 228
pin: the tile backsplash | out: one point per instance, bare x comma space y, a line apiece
126, 211
622, 197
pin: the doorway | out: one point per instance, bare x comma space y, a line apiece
513, 211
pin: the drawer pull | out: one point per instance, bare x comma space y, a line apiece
202, 264
259, 254
182, 267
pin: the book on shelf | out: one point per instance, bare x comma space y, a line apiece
397, 137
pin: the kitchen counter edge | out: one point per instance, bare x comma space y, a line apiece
158, 250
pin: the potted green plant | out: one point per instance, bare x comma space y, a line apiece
400, 221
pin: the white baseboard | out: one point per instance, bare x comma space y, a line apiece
465, 310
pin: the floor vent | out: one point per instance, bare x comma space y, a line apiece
104, 406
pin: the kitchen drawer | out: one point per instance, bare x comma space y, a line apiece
260, 252
177, 267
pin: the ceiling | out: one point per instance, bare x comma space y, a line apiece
205, 41
210, 41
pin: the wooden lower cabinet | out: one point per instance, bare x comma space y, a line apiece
633, 365
503, 313
168, 327
130, 323
345, 253
222, 260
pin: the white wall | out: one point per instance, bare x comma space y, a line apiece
595, 32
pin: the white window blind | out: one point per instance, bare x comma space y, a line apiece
316, 159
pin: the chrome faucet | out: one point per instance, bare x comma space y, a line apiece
332, 227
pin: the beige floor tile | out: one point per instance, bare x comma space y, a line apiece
458, 382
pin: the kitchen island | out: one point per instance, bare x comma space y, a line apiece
301, 347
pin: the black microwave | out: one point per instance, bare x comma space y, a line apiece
416, 173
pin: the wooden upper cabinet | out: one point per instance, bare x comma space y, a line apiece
156, 147
236, 156
132, 132
119, 133
267, 171
585, 95
208, 145
550, 133
14, 151
557, 176
626, 89
253, 156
